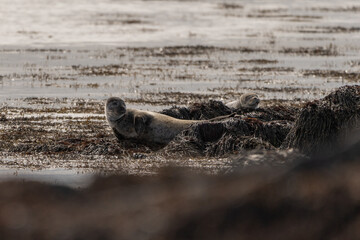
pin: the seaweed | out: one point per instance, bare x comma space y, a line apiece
199, 111
319, 126
326, 123
219, 138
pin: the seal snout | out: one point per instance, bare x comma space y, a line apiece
250, 100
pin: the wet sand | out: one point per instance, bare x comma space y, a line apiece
52, 89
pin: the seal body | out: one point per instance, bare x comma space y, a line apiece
142, 125
247, 100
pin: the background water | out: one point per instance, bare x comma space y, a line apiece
41, 22
42, 38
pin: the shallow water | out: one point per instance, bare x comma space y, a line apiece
40, 22
55, 176
41, 43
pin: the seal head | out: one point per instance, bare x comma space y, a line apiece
115, 109
121, 122
247, 100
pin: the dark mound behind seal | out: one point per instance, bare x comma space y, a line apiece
321, 125
229, 136
230, 130
199, 111
326, 123
213, 109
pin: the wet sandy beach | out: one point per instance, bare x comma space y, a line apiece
56, 74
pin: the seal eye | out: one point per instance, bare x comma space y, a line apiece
114, 103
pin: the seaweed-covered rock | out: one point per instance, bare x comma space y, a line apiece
213, 109
207, 111
324, 124
199, 111
230, 130
177, 112
271, 113
229, 136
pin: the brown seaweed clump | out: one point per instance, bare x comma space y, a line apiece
320, 126
199, 111
229, 131
229, 136
214, 109
326, 123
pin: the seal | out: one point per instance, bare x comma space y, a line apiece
247, 100
141, 125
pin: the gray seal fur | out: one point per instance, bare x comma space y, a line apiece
247, 100
142, 125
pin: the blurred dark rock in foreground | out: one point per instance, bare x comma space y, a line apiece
315, 199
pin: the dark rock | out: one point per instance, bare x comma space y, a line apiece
301, 202
199, 111
229, 136
326, 123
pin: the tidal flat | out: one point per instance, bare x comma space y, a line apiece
156, 55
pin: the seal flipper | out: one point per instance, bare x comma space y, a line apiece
141, 123
118, 135
219, 118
